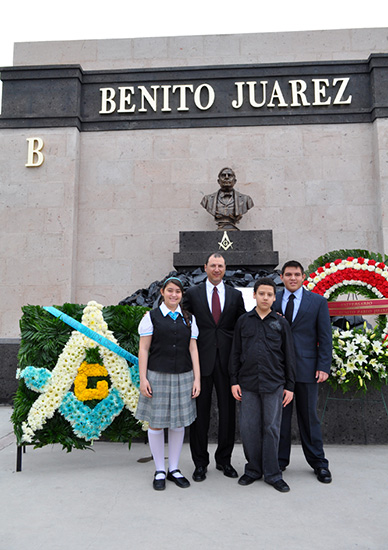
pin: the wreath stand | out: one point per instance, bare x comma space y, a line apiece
20, 450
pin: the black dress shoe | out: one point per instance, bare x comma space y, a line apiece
181, 482
159, 484
228, 470
323, 475
200, 473
246, 480
280, 485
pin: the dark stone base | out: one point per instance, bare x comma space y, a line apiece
251, 250
354, 418
9, 349
350, 419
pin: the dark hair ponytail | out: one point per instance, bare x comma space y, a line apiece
187, 317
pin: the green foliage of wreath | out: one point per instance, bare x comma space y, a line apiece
43, 337
329, 257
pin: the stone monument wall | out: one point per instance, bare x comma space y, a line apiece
101, 216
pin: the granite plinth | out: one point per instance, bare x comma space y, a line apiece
252, 250
9, 349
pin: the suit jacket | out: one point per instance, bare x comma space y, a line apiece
214, 337
312, 334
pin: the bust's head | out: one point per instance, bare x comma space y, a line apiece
226, 179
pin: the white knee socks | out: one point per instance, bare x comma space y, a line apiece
175, 443
156, 442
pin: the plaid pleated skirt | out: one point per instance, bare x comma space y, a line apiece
171, 404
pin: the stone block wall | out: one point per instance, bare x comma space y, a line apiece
100, 218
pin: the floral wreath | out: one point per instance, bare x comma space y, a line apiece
358, 354
65, 387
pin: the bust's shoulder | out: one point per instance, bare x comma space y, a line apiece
210, 197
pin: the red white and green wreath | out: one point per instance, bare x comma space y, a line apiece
360, 355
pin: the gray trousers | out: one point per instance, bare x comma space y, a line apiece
260, 419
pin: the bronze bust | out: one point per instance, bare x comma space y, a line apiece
227, 205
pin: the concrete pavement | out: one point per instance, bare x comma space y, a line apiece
104, 500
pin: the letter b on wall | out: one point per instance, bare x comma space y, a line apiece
35, 156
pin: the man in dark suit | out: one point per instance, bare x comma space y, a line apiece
216, 307
308, 315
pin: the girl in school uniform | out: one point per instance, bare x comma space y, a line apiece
169, 379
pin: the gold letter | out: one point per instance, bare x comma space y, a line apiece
166, 104
35, 146
339, 97
211, 97
320, 91
298, 88
182, 89
252, 86
152, 100
107, 95
236, 103
125, 99
277, 94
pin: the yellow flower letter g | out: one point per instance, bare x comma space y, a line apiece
82, 392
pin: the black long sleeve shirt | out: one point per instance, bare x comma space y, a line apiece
263, 357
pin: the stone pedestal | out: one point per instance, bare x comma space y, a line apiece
9, 349
252, 250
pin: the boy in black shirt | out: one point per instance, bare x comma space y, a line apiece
262, 374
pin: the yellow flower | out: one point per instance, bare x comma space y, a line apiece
82, 392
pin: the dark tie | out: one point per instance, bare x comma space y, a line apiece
290, 308
216, 306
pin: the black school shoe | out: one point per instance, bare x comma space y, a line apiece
228, 470
199, 473
280, 485
323, 475
181, 482
159, 484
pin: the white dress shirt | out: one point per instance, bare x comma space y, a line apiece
221, 293
146, 327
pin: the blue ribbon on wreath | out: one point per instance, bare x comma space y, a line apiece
93, 335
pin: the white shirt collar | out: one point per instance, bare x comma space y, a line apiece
165, 311
209, 286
